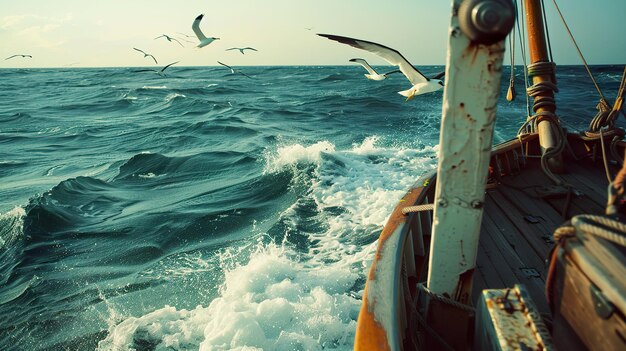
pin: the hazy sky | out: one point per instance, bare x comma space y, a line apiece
80, 33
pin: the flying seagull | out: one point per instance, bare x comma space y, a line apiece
241, 50
10, 57
232, 70
145, 54
185, 37
160, 72
169, 39
421, 84
373, 75
204, 41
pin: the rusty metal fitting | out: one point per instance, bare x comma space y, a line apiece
486, 21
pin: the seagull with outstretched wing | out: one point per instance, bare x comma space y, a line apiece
204, 40
421, 83
145, 54
243, 49
232, 70
372, 74
19, 55
169, 39
160, 72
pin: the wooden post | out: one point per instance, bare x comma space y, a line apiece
539, 53
472, 87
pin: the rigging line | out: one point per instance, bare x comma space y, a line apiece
620, 96
510, 95
578, 49
522, 34
545, 25
512, 56
622, 83
606, 166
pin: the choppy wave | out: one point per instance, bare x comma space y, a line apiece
275, 294
193, 211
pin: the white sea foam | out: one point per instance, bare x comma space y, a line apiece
154, 87
294, 154
274, 297
172, 96
148, 175
11, 225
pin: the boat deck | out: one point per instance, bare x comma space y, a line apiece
516, 235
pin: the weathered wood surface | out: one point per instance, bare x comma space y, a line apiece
514, 247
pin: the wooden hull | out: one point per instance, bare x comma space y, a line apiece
522, 210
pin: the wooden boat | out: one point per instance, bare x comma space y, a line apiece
515, 247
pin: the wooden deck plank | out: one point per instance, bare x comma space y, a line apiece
484, 267
577, 205
509, 242
592, 183
478, 285
497, 262
519, 265
513, 238
535, 233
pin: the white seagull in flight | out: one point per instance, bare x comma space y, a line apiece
145, 54
169, 39
204, 41
421, 83
373, 75
19, 55
232, 70
241, 50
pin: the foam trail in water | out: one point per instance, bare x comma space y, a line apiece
275, 297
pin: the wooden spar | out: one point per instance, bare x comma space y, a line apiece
539, 53
472, 87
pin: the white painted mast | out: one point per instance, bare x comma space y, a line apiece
473, 70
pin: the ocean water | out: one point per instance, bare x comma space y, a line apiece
205, 210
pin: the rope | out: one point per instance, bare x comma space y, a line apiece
540, 90
602, 118
602, 227
564, 232
568, 203
522, 34
510, 95
604, 160
614, 152
606, 115
578, 49
418, 208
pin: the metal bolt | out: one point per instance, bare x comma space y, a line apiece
486, 21
477, 204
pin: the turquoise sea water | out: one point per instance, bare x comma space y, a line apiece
206, 210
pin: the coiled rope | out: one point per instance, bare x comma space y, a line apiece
540, 92
600, 226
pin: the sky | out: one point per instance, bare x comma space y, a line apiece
78, 33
